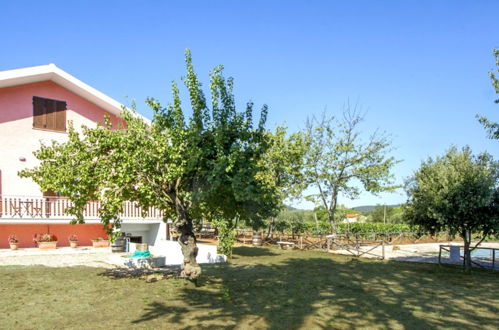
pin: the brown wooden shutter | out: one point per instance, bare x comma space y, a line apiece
38, 112
49, 114
50, 110
60, 116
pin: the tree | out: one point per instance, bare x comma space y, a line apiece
283, 164
382, 213
201, 168
492, 127
337, 160
386, 213
456, 192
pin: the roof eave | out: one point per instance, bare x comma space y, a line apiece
51, 72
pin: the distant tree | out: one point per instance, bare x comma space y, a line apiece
457, 192
205, 167
382, 212
492, 127
337, 160
386, 213
397, 215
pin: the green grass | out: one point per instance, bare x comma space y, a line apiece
261, 288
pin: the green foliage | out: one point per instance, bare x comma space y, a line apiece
495, 80
457, 192
282, 168
302, 221
390, 213
337, 160
226, 236
376, 228
207, 166
492, 127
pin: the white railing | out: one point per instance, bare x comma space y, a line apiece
20, 207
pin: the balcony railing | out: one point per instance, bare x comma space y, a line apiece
55, 208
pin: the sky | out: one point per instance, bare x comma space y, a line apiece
418, 68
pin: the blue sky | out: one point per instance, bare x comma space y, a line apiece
418, 67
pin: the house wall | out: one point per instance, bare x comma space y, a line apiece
18, 138
152, 233
25, 233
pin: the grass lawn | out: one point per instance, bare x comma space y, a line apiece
260, 288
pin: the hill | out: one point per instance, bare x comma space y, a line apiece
364, 209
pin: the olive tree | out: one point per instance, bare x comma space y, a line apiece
207, 166
457, 192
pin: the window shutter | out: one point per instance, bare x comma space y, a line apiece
60, 116
49, 114
50, 110
38, 112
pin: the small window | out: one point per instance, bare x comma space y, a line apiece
49, 114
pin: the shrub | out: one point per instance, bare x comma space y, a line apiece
44, 238
226, 236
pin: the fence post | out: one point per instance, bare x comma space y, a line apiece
439, 254
493, 259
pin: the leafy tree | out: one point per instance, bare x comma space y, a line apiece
456, 192
283, 164
390, 214
492, 127
337, 160
205, 167
382, 212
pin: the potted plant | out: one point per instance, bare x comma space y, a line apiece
73, 241
100, 242
13, 242
45, 241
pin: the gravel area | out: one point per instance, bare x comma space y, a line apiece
104, 258
60, 257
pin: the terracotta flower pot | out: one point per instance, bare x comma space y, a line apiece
47, 245
100, 244
14, 246
73, 244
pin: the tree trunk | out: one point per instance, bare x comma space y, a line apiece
467, 252
332, 211
332, 222
271, 228
187, 240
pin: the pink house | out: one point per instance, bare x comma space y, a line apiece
36, 105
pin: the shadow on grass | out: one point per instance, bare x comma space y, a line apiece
155, 310
119, 272
246, 251
321, 291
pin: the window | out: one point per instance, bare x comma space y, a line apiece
49, 114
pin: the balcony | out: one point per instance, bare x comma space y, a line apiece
54, 208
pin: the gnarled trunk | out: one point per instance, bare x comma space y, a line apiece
187, 240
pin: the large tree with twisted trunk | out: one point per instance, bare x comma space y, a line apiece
209, 165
